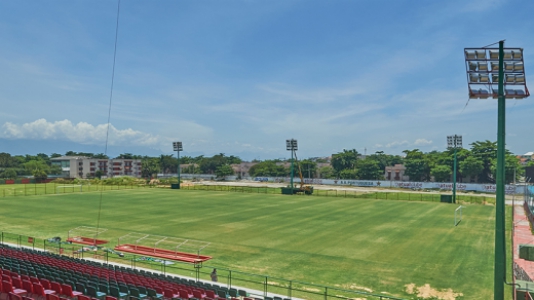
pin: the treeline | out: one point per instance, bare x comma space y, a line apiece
219, 165
38, 166
478, 164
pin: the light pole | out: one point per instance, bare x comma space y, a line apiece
291, 145
177, 147
487, 68
454, 141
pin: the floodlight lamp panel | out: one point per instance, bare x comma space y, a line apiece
494, 54
177, 146
507, 55
288, 145
517, 54
508, 66
482, 66
495, 66
473, 66
519, 67
470, 54
473, 77
480, 54
484, 78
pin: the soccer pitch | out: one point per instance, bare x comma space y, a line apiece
378, 245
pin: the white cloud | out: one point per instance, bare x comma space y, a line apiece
83, 133
397, 143
422, 142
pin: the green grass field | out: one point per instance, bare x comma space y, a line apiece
380, 245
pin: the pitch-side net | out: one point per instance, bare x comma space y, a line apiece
68, 188
458, 215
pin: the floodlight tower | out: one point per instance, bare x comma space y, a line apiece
487, 69
178, 147
291, 145
454, 141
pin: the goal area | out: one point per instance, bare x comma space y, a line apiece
458, 215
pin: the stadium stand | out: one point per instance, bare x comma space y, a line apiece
41, 275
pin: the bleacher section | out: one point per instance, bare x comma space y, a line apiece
31, 274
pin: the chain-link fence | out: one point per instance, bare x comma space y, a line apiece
19, 190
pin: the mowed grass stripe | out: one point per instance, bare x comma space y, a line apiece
378, 244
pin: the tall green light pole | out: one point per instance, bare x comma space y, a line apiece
454, 141
500, 244
501, 75
178, 147
291, 145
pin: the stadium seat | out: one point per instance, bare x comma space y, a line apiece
134, 292
28, 286
153, 294
7, 287
40, 291
115, 292
13, 296
55, 286
92, 292
67, 291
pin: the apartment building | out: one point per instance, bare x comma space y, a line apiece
86, 167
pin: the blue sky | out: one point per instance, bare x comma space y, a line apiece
241, 77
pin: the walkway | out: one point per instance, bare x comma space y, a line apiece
523, 269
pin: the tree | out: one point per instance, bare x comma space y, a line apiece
511, 166
6, 160
268, 168
385, 160
168, 164
486, 151
369, 169
99, 174
348, 174
9, 173
55, 170
149, 167
326, 172
308, 168
417, 167
126, 156
471, 167
441, 173
223, 171
345, 160
38, 169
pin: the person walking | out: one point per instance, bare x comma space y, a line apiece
214, 275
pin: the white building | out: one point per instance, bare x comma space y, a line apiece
84, 167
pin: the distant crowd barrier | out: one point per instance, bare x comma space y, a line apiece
414, 185
431, 197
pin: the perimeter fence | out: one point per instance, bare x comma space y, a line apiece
408, 196
259, 286
58, 188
